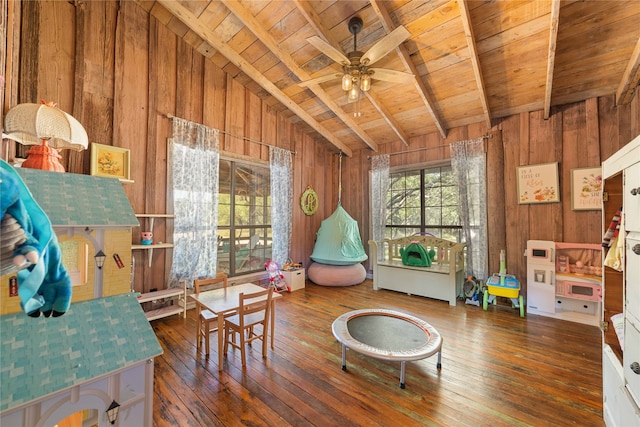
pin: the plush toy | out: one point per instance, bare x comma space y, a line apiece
276, 278
44, 286
416, 255
146, 238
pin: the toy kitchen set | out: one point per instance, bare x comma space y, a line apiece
564, 280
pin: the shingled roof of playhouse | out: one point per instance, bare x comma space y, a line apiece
76, 200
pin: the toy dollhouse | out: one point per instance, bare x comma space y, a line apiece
95, 362
101, 351
89, 214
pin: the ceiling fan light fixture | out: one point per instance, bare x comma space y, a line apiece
347, 82
354, 93
365, 82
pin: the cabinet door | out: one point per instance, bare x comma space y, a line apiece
632, 275
631, 360
541, 296
631, 202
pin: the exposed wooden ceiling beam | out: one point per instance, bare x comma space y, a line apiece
314, 20
387, 117
551, 55
263, 35
421, 88
235, 58
630, 79
312, 17
475, 62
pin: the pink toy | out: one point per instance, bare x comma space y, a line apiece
276, 278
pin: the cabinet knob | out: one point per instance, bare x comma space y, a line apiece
636, 249
635, 367
635, 191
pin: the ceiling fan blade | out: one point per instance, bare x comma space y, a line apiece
385, 45
329, 50
392, 75
320, 79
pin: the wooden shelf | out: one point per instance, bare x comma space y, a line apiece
156, 295
178, 307
163, 312
154, 246
178, 295
150, 248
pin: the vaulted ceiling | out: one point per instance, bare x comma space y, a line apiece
473, 61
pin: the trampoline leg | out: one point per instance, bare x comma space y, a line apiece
344, 357
439, 364
402, 374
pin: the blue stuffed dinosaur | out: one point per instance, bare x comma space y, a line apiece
44, 286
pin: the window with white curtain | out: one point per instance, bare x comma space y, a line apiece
423, 201
244, 217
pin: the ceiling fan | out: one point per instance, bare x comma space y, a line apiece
357, 74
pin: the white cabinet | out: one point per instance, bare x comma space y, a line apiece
621, 352
632, 251
632, 197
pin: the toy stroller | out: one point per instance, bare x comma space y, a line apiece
276, 278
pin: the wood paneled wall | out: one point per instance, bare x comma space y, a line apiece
577, 135
124, 69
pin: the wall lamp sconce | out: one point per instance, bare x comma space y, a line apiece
112, 412
99, 257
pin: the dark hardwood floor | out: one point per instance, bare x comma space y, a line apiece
497, 370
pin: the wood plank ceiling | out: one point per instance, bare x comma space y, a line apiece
473, 61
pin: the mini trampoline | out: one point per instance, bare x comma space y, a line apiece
387, 335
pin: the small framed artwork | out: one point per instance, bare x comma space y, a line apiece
110, 162
538, 183
586, 189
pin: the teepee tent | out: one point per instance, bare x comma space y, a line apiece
338, 240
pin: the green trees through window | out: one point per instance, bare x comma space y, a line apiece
423, 201
244, 217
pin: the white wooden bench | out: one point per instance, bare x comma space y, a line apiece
442, 280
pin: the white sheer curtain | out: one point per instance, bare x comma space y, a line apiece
468, 162
379, 189
280, 170
194, 178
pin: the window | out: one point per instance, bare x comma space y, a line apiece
75, 257
244, 217
423, 201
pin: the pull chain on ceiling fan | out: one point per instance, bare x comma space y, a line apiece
356, 72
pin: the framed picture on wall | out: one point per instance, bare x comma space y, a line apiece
586, 189
538, 183
110, 162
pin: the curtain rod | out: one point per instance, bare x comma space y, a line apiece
171, 116
487, 136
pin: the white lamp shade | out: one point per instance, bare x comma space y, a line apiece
28, 124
